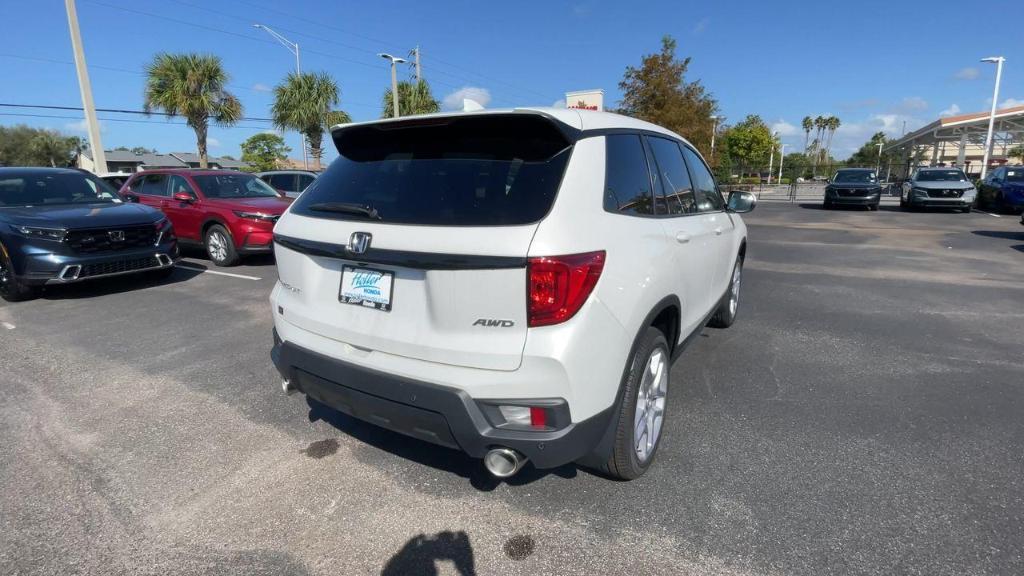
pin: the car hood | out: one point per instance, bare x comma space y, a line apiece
267, 205
943, 185
98, 215
855, 185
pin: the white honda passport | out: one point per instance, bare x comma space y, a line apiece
514, 284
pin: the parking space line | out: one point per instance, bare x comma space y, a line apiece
989, 213
198, 269
8, 325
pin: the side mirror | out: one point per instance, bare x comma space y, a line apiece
129, 197
183, 197
741, 202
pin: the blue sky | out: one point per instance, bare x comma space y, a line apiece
873, 64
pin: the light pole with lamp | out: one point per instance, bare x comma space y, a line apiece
998, 61
878, 164
394, 80
771, 159
294, 49
714, 130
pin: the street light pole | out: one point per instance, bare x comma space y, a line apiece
394, 81
294, 49
782, 158
714, 130
771, 159
99, 158
878, 165
998, 61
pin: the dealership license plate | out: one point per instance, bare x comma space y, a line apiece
366, 287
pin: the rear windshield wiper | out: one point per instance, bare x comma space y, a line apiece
346, 208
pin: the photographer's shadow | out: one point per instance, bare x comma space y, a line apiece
420, 555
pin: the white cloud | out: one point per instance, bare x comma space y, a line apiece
212, 142
910, 104
261, 87
82, 126
701, 25
953, 110
560, 103
1011, 102
785, 128
454, 100
851, 136
969, 73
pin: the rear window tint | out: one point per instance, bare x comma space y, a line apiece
494, 170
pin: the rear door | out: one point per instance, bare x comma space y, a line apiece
187, 217
153, 190
431, 222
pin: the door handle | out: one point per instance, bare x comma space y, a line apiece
682, 237
718, 231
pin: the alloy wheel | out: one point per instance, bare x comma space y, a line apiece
217, 247
734, 296
649, 413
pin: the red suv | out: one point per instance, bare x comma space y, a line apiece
230, 213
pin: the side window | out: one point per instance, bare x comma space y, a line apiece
709, 199
283, 181
154, 185
675, 181
179, 184
304, 181
627, 183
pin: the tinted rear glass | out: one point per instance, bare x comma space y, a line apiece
477, 171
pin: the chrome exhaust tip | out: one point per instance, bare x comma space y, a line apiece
288, 388
164, 260
503, 462
70, 272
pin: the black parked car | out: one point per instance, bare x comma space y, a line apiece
61, 225
853, 186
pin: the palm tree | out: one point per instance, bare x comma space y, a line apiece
193, 86
832, 123
305, 102
819, 125
413, 98
808, 124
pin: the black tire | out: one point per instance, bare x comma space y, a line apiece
903, 203
624, 462
726, 313
827, 205
967, 209
220, 248
12, 289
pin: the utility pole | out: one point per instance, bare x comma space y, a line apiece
782, 158
394, 80
771, 159
714, 130
98, 157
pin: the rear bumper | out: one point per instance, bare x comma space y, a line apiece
437, 414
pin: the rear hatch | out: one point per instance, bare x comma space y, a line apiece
414, 241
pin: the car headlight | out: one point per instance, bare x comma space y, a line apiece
257, 216
920, 191
164, 230
55, 234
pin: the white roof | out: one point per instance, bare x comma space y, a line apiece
578, 119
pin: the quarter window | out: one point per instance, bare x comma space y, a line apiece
674, 179
708, 197
627, 188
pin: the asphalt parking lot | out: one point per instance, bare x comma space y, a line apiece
863, 416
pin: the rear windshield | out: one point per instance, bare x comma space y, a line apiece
941, 176
494, 170
854, 176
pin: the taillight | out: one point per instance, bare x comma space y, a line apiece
559, 285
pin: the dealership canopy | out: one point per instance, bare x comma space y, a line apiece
962, 137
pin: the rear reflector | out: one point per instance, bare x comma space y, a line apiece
538, 417
559, 285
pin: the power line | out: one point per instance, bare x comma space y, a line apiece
129, 120
117, 111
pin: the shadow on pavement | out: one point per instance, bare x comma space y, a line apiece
116, 284
420, 554
1003, 234
438, 457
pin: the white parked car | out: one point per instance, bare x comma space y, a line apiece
514, 284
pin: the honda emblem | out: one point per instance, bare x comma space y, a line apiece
359, 242
116, 235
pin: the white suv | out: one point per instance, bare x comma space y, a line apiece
514, 284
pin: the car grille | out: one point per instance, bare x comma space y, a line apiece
853, 191
945, 193
109, 239
118, 266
